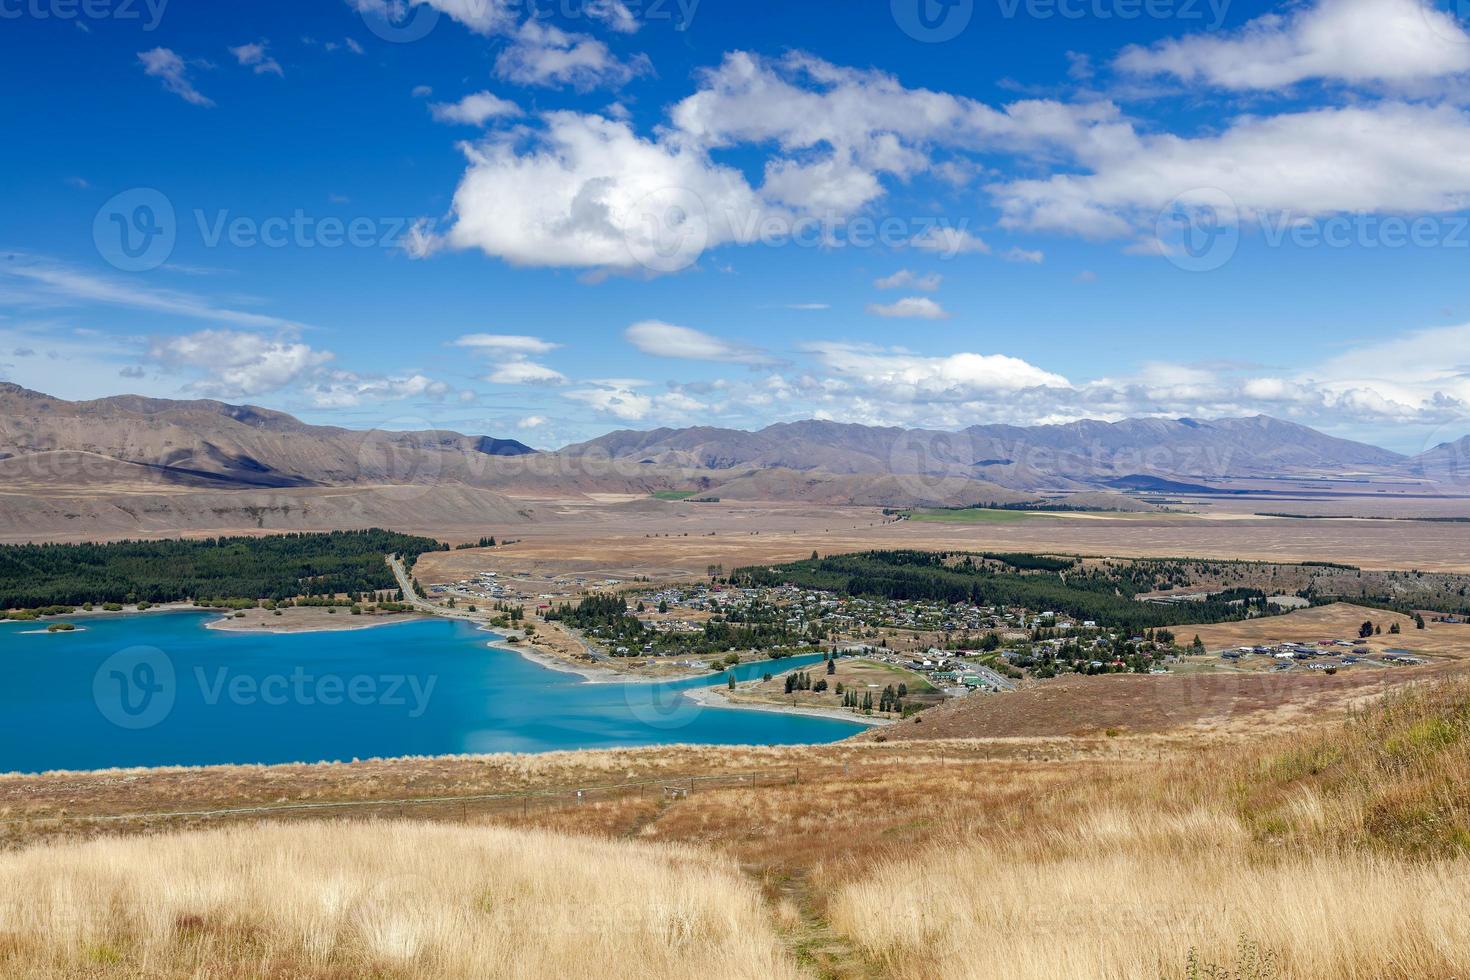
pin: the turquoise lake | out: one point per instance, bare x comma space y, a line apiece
161, 689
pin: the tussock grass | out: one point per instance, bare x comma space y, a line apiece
1396, 776
391, 899
1344, 856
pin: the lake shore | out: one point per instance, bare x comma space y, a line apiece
712, 697
303, 619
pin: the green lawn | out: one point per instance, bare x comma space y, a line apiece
673, 494
972, 515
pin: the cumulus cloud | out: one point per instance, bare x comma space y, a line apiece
667, 340
621, 400
240, 364
543, 55
474, 109
854, 122
344, 389
583, 190
173, 71
948, 242
1392, 156
905, 376
512, 358
588, 192
910, 307
904, 279
1352, 41
254, 56
481, 16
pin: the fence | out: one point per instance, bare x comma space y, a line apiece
661, 788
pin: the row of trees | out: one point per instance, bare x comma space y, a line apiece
276, 567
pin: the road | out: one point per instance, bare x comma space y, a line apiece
405, 585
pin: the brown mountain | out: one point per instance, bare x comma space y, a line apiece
213, 444
1087, 453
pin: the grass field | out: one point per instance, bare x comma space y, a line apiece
673, 494
970, 515
386, 900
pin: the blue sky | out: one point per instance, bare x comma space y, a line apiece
546, 221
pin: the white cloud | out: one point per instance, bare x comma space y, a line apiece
353, 46
948, 242
615, 14
481, 16
910, 307
474, 109
523, 371
422, 91
908, 377
164, 64
667, 340
1352, 41
62, 284
904, 279
840, 129
541, 54
254, 56
240, 364
1392, 156
622, 400
513, 353
506, 343
1018, 254
808, 306
532, 422
344, 389
590, 193
622, 403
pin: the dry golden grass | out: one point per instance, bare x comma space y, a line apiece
1344, 857
381, 899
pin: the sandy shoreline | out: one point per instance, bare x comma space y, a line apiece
227, 623
715, 698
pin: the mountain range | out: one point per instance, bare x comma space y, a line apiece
160, 464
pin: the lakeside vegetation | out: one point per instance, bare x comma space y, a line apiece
276, 567
607, 619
